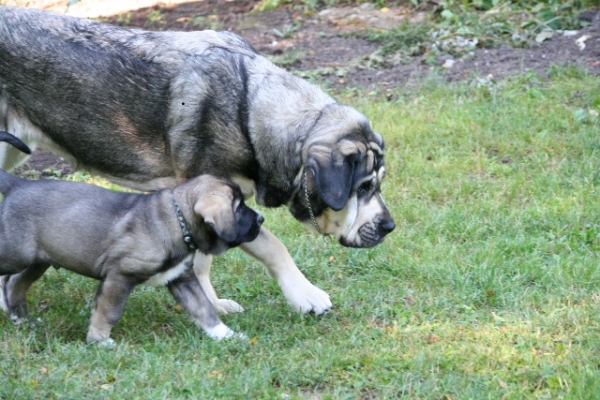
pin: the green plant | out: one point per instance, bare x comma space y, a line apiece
488, 288
155, 16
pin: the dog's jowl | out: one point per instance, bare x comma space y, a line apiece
150, 110
121, 239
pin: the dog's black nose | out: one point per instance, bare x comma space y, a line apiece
260, 219
387, 226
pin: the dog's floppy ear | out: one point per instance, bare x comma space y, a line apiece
218, 214
333, 172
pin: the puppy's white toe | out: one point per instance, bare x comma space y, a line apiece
222, 331
225, 306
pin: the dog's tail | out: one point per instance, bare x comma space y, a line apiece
6, 179
14, 141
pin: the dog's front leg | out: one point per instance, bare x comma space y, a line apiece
188, 292
108, 308
300, 293
202, 264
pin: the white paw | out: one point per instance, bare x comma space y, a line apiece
306, 297
3, 305
225, 306
221, 332
106, 343
18, 321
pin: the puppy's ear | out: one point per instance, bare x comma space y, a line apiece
217, 212
333, 172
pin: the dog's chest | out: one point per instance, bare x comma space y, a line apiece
162, 278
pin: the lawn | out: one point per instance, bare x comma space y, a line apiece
488, 288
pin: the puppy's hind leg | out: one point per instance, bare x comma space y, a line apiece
202, 264
188, 292
14, 290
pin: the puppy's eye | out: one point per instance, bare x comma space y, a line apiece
364, 188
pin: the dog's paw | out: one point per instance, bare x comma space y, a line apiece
307, 298
222, 331
3, 305
18, 321
225, 306
104, 343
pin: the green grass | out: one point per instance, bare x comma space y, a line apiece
488, 288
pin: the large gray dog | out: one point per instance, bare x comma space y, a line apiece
149, 110
121, 239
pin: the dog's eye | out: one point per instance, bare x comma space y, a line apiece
365, 188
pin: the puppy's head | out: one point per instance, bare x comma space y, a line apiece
223, 220
343, 173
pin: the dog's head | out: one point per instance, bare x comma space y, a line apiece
343, 171
223, 220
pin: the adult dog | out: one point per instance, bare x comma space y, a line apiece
149, 110
121, 239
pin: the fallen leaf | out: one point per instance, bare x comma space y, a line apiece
331, 259
544, 35
449, 63
215, 374
341, 80
178, 307
43, 305
580, 115
183, 19
43, 370
581, 42
431, 339
385, 10
254, 340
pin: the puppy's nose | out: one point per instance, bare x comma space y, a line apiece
387, 226
260, 219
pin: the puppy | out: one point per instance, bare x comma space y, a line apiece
121, 239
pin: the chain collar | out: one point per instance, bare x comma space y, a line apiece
310, 210
189, 240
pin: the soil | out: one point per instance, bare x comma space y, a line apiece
322, 43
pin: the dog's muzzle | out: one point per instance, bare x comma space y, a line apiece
370, 234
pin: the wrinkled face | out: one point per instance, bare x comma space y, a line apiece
365, 220
344, 187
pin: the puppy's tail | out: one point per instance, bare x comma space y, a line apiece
7, 180
14, 141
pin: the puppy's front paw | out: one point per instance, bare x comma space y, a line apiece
222, 331
306, 297
225, 306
